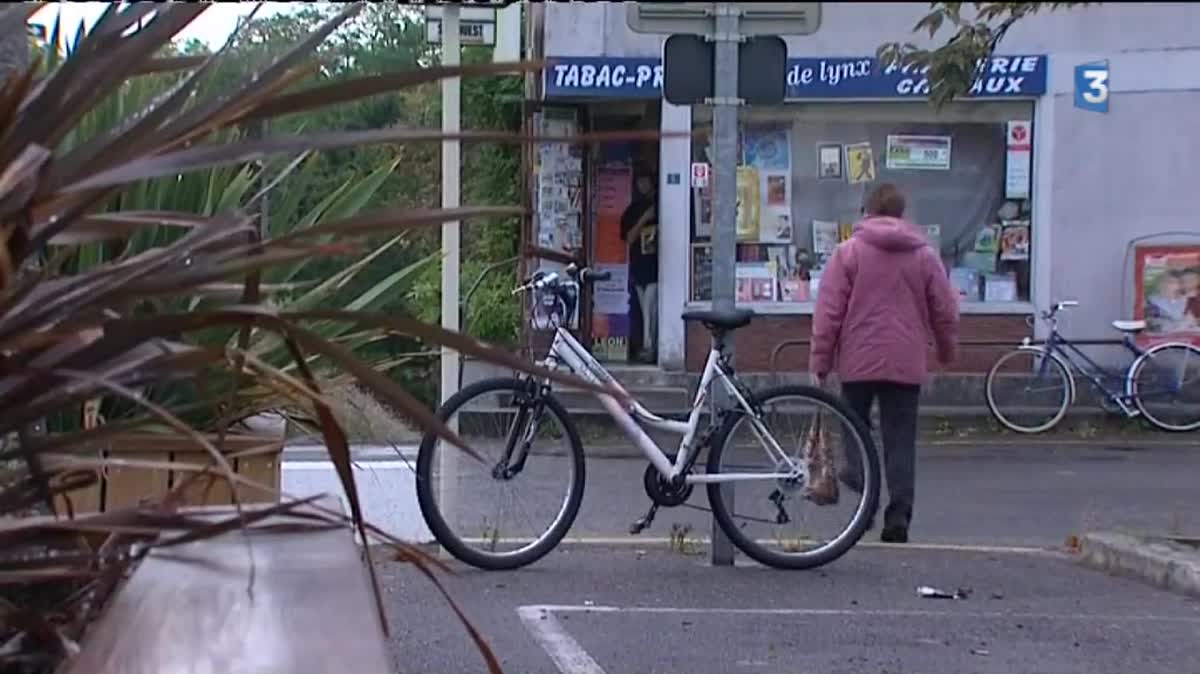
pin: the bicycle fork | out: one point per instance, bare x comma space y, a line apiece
520, 437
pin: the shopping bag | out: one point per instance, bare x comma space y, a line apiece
822, 474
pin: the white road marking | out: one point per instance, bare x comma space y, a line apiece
566, 653
570, 658
651, 541
363, 466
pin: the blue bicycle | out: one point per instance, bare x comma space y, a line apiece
1030, 388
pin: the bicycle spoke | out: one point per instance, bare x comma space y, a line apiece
1166, 385
780, 514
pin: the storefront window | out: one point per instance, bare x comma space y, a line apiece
805, 170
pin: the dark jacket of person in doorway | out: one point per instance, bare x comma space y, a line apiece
639, 231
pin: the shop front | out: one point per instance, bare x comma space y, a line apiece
599, 202
805, 168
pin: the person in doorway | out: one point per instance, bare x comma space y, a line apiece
884, 297
639, 231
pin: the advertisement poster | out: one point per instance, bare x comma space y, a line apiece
768, 150
860, 163
1167, 293
1018, 160
1014, 241
610, 299
748, 203
825, 237
829, 161
929, 153
755, 282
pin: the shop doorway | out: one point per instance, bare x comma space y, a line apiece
624, 238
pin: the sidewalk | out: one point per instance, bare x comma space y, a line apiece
981, 495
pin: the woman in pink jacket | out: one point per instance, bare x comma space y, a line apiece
884, 299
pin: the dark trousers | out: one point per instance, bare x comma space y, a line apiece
898, 426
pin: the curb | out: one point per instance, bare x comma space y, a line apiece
1156, 560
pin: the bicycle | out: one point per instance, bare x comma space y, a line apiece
1122, 391
669, 479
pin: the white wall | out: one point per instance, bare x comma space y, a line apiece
850, 29
1118, 176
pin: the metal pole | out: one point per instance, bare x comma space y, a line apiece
724, 237
451, 166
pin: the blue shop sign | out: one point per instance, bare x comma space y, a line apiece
1009, 76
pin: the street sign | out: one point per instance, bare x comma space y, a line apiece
477, 25
689, 60
689, 70
762, 70
756, 18
700, 173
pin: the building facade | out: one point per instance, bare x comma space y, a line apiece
1029, 198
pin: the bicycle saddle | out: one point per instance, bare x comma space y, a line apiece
724, 320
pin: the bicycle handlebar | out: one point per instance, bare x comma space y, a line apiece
574, 273
1065, 304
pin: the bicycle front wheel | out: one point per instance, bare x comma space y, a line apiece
781, 522
1166, 386
504, 512
1028, 390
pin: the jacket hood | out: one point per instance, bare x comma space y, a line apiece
890, 233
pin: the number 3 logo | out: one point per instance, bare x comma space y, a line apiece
1091, 86
1097, 84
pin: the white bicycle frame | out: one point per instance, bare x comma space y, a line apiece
566, 350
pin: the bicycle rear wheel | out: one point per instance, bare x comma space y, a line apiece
1166, 386
541, 494
774, 521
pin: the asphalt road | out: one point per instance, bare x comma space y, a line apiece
637, 606
596, 610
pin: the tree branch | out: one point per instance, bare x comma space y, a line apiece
954, 67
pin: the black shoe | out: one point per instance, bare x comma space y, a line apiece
894, 534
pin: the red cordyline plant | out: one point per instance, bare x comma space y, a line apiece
66, 339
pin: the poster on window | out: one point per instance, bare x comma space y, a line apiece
755, 282
923, 153
559, 180
1014, 241
610, 299
1167, 293
768, 150
860, 163
829, 161
1018, 159
824, 237
749, 201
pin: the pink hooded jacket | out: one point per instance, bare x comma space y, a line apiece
884, 298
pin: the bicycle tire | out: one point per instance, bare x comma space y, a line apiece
990, 394
857, 526
1137, 399
437, 524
